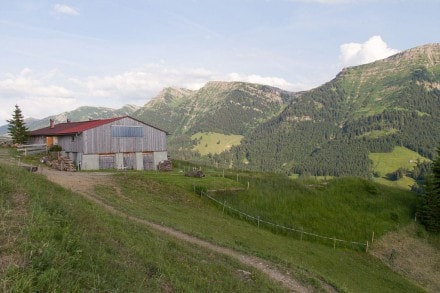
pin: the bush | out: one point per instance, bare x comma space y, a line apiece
55, 148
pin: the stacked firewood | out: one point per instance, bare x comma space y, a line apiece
61, 163
166, 165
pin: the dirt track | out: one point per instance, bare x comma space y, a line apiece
84, 184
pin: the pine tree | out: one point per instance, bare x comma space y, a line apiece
429, 208
17, 127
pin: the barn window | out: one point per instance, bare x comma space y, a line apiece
127, 131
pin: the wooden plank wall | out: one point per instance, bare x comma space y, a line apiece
100, 140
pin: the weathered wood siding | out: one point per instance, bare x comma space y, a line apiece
100, 140
37, 139
70, 143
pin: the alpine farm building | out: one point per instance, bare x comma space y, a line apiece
120, 143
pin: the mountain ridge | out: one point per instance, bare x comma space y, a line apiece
79, 114
328, 130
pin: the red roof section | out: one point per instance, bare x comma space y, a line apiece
72, 127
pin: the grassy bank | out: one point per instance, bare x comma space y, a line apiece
54, 240
346, 208
170, 199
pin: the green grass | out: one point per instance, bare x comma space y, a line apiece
62, 243
215, 143
346, 208
108, 253
386, 163
400, 157
378, 133
169, 199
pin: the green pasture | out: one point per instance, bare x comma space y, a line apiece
214, 143
62, 235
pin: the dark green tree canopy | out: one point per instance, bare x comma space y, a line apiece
429, 208
17, 127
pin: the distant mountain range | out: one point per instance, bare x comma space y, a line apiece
79, 114
329, 130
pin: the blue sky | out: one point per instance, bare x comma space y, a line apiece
59, 55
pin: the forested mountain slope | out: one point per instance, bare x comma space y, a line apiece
370, 108
223, 107
219, 107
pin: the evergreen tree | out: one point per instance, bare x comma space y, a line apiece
17, 128
429, 208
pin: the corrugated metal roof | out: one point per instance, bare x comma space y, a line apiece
72, 127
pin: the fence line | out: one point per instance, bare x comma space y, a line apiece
30, 149
258, 220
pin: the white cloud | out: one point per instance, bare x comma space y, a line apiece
266, 80
373, 49
64, 9
49, 93
35, 94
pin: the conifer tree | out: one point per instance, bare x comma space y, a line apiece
17, 127
429, 208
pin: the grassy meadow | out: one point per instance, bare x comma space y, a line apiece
346, 208
59, 234
215, 143
55, 241
386, 163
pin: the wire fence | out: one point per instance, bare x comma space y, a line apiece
301, 232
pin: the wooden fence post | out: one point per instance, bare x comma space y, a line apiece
224, 204
258, 221
366, 247
372, 238
334, 242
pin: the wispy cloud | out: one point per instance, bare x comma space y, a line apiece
43, 94
361, 53
65, 9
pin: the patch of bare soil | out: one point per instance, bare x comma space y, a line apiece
410, 256
84, 184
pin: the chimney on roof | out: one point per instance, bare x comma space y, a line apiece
52, 123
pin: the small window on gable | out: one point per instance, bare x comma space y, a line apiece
127, 131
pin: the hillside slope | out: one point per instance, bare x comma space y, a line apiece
369, 108
222, 107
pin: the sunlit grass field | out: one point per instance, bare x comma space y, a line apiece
215, 143
62, 235
386, 163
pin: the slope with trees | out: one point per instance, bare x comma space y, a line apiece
429, 208
370, 108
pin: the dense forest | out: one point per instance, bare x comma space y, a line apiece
321, 134
328, 131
